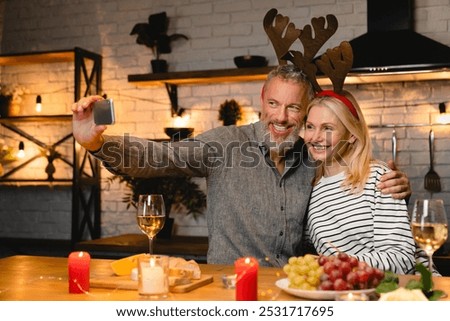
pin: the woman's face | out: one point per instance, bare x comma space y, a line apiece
324, 134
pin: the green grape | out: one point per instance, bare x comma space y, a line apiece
303, 272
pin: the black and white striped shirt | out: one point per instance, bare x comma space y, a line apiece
371, 226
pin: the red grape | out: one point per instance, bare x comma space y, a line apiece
324, 277
353, 261
375, 283
343, 256
363, 276
345, 268
352, 278
379, 274
335, 274
340, 285
328, 267
326, 285
322, 260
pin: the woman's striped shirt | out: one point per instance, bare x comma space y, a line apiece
371, 226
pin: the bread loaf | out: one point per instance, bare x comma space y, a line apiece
181, 268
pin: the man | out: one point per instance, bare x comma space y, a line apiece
258, 175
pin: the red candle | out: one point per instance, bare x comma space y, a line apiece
79, 272
246, 270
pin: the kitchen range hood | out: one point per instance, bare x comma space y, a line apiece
392, 48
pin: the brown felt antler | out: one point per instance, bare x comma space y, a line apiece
336, 63
312, 46
276, 30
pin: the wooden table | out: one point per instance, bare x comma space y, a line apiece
35, 278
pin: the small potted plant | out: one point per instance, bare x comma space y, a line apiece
10, 99
154, 35
230, 112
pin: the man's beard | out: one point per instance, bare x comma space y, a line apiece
280, 144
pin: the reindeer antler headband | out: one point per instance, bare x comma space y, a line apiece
334, 63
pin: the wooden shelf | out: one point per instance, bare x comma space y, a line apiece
37, 57
260, 74
36, 118
201, 77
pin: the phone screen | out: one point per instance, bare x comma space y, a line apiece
104, 112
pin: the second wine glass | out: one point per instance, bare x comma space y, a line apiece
429, 226
151, 215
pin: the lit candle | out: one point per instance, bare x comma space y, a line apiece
350, 296
246, 270
79, 272
153, 278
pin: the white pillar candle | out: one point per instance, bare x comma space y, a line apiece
153, 279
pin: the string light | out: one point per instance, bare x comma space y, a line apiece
21, 152
38, 103
443, 117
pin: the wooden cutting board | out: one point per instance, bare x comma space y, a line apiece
125, 283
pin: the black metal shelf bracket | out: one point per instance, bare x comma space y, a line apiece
172, 91
48, 151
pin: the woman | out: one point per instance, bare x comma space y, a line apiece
347, 212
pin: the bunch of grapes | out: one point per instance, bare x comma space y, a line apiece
331, 273
344, 272
303, 272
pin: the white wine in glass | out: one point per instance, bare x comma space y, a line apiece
151, 215
429, 226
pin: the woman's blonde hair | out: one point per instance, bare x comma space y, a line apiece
357, 155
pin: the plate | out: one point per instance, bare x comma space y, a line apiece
316, 295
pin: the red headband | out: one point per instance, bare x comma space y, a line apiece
345, 100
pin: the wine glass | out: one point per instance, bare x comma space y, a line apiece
151, 215
429, 226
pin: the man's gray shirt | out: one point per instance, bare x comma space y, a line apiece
252, 210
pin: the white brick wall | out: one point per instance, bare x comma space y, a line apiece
218, 31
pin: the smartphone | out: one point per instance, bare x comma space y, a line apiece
104, 112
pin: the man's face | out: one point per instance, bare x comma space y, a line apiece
283, 109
